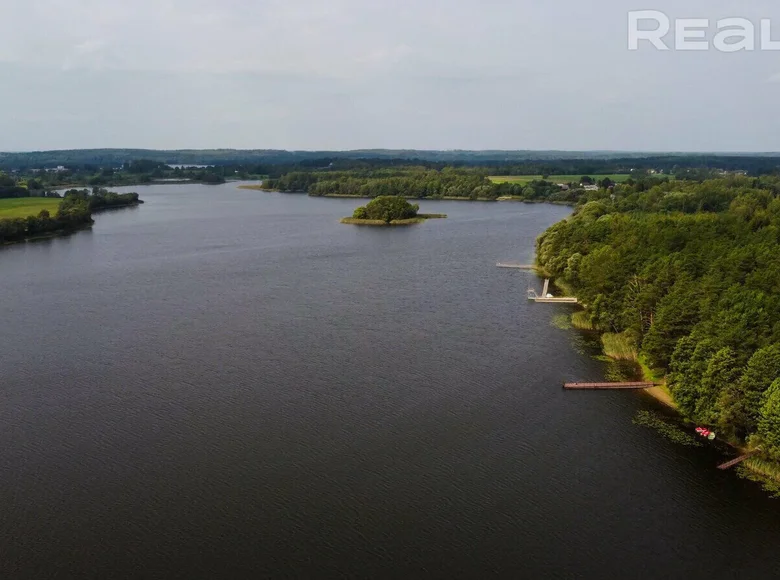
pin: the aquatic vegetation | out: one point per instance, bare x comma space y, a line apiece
619, 346
665, 428
581, 320
622, 370
561, 321
766, 473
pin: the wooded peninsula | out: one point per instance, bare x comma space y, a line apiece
686, 276
73, 213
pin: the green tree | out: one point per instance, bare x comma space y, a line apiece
741, 402
388, 208
723, 370
769, 420
691, 359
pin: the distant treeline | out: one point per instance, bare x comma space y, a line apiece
532, 162
136, 172
74, 212
424, 183
104, 167
688, 273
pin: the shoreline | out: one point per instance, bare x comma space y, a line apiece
409, 197
50, 235
420, 218
762, 471
70, 231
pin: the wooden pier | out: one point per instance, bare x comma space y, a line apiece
561, 300
545, 298
532, 295
738, 460
606, 386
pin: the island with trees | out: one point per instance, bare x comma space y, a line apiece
389, 210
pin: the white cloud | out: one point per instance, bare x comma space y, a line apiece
367, 73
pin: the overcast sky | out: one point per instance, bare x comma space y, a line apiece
346, 74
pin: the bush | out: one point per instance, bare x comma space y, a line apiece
387, 208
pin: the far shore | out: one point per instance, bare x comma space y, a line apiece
260, 187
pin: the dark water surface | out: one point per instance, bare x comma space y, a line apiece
231, 384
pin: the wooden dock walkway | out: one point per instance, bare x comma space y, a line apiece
545, 298
605, 386
738, 460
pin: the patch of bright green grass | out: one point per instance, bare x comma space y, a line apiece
22, 207
618, 346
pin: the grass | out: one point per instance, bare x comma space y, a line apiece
616, 177
581, 321
618, 346
22, 207
655, 375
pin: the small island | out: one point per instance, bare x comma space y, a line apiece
389, 210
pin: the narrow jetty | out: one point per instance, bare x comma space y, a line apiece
516, 266
561, 300
604, 386
546, 298
738, 460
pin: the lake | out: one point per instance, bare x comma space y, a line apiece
224, 383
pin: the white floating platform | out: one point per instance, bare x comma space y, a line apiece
562, 300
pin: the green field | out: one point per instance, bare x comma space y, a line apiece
22, 207
616, 177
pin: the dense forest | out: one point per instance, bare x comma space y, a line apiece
688, 274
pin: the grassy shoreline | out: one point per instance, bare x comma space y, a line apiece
50, 235
22, 210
